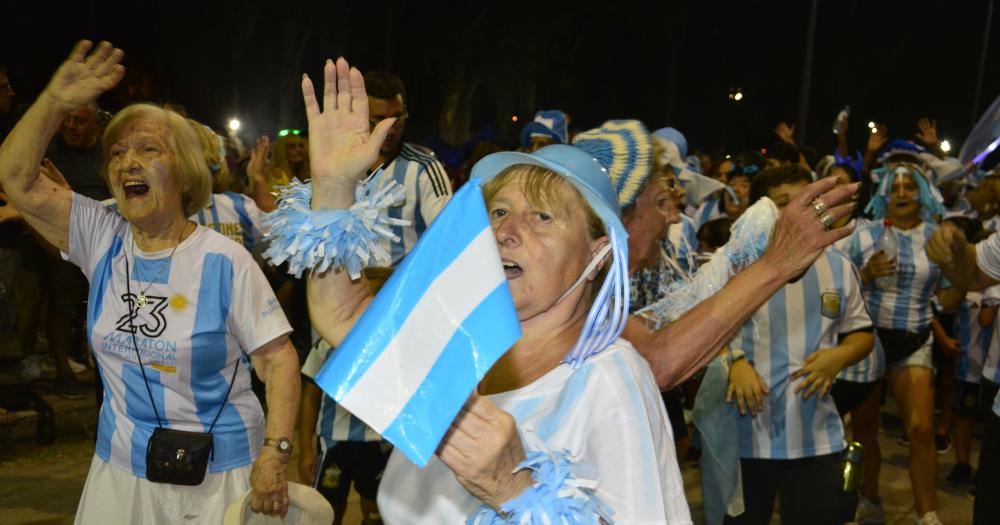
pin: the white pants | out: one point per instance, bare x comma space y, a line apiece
113, 496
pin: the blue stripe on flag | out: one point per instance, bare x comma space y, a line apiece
420, 426
459, 240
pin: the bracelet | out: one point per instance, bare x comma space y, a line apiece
320, 239
563, 493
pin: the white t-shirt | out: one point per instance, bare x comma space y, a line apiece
209, 306
234, 215
988, 260
607, 413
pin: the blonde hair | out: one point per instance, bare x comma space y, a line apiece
547, 189
190, 170
213, 148
281, 172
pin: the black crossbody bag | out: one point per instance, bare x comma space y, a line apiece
174, 456
901, 344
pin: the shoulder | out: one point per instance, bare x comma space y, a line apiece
213, 242
419, 154
621, 372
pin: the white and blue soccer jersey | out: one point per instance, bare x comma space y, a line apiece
800, 319
334, 423
209, 306
908, 305
234, 215
708, 211
428, 189
974, 340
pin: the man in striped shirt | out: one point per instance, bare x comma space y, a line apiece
413, 167
782, 366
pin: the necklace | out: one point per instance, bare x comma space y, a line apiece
141, 300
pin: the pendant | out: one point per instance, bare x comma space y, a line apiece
141, 301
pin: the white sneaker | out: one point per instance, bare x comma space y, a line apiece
931, 518
869, 512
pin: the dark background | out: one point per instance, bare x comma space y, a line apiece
470, 66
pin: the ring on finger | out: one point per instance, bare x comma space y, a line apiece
826, 219
818, 205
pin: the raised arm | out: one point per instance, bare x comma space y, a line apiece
679, 349
341, 149
44, 204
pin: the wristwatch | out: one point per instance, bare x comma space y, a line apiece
284, 445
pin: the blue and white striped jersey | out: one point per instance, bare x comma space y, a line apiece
334, 422
649, 285
209, 307
800, 319
428, 189
234, 215
908, 305
974, 340
606, 413
709, 210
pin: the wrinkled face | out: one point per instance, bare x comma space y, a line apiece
140, 173
904, 197
80, 128
296, 149
380, 109
543, 249
782, 194
6, 94
647, 221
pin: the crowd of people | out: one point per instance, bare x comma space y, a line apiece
150, 232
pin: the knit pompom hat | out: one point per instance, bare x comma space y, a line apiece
625, 149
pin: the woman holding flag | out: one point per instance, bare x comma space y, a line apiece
567, 424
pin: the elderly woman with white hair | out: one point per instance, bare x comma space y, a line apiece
175, 313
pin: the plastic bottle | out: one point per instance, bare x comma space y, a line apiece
888, 243
841, 117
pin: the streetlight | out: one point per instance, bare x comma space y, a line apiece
871, 124
945, 146
736, 94
234, 124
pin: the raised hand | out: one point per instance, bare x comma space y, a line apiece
879, 136
799, 236
83, 77
785, 132
257, 166
927, 132
341, 147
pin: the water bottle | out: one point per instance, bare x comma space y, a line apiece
888, 243
841, 117
853, 471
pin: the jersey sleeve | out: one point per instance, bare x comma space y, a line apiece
988, 256
92, 230
435, 190
256, 317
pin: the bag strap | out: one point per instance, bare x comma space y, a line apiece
135, 345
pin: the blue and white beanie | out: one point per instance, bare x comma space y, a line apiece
550, 123
625, 149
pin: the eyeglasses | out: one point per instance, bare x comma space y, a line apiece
400, 119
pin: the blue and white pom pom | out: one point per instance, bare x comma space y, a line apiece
321, 239
563, 494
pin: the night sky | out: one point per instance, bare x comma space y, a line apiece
666, 63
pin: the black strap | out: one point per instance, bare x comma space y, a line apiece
149, 391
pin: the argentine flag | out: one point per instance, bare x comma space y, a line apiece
426, 340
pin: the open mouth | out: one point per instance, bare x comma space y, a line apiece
135, 188
511, 269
